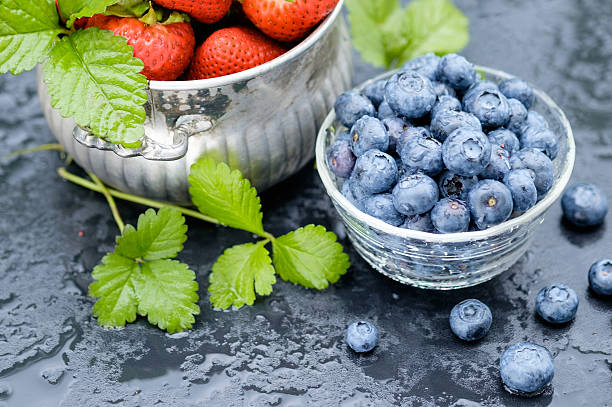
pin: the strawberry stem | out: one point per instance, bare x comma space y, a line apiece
150, 18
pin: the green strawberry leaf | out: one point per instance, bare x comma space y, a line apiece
93, 76
239, 273
310, 256
73, 9
128, 8
168, 295
28, 29
159, 235
225, 195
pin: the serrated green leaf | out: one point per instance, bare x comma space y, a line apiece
159, 235
310, 256
239, 273
28, 29
93, 77
225, 195
73, 9
115, 289
167, 295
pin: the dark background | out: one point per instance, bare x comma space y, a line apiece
288, 349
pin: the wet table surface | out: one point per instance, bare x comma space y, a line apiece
288, 348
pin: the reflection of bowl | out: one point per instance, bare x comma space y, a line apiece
447, 261
262, 121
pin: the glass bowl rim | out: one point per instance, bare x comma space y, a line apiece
532, 214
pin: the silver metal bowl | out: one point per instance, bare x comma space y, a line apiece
262, 121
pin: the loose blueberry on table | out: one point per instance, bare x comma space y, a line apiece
526, 369
361, 336
470, 320
557, 303
600, 277
584, 205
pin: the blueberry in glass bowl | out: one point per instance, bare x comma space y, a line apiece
422, 256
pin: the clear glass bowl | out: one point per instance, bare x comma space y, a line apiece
447, 261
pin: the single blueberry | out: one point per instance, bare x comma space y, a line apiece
476, 89
420, 222
450, 215
518, 89
409, 134
446, 103
375, 172
368, 134
361, 336
385, 111
360, 194
524, 193
375, 91
490, 203
447, 121
557, 303
490, 107
534, 120
340, 158
344, 135
423, 153
396, 127
584, 204
505, 139
443, 89
466, 152
541, 166
470, 320
541, 139
456, 71
499, 165
410, 94
600, 277
426, 65
526, 368
456, 186
347, 191
351, 106
518, 116
415, 194
381, 206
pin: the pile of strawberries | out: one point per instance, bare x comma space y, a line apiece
199, 39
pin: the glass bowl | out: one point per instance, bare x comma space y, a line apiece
447, 261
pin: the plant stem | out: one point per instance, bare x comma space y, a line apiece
132, 198
110, 200
42, 147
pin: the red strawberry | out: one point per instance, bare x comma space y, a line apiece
231, 50
205, 11
165, 49
286, 20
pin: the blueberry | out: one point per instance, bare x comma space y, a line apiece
423, 153
410, 94
446, 103
375, 172
456, 186
376, 92
584, 204
526, 368
505, 139
541, 166
499, 165
456, 71
361, 336
381, 206
518, 89
477, 88
395, 126
600, 277
443, 89
557, 303
490, 203
344, 135
351, 106
534, 120
524, 193
541, 139
447, 121
450, 215
421, 222
518, 116
385, 111
415, 194
409, 134
470, 320
359, 193
348, 194
426, 65
369, 133
490, 107
466, 152
340, 158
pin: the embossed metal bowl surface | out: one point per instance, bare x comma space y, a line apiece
262, 121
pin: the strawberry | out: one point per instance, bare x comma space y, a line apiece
286, 20
205, 11
165, 49
231, 50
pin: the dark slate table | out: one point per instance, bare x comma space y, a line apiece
288, 348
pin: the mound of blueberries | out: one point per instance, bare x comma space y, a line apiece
436, 149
